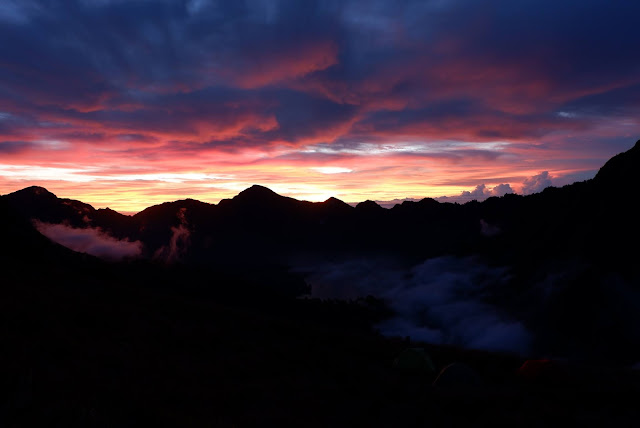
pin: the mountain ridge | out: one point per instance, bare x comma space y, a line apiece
260, 217
617, 168
564, 248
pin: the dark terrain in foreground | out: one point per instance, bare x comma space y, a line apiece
105, 352
218, 337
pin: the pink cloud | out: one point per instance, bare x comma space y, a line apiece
286, 63
537, 183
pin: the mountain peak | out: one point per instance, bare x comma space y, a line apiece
336, 205
257, 190
335, 201
369, 205
621, 170
256, 194
33, 191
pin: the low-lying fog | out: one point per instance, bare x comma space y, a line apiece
441, 300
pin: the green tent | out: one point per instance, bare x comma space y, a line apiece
415, 360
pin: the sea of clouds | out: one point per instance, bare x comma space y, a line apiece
442, 300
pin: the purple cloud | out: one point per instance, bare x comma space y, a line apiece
480, 193
537, 183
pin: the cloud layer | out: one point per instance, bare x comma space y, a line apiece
93, 241
405, 98
442, 300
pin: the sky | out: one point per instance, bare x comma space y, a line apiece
128, 104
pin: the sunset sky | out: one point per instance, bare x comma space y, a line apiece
128, 104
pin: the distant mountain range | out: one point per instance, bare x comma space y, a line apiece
580, 240
587, 219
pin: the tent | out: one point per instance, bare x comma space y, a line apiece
457, 375
414, 360
545, 372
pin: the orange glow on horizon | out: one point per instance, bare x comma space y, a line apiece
375, 172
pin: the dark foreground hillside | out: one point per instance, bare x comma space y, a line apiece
109, 348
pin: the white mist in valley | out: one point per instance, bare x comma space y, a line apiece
442, 300
89, 240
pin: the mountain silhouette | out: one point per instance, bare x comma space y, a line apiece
621, 171
585, 219
369, 206
206, 323
581, 233
257, 193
